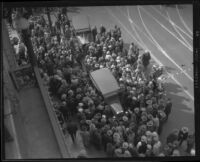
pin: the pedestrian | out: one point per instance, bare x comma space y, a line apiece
110, 150
142, 145
72, 128
102, 29
82, 154
176, 153
190, 142
183, 134
162, 117
8, 137
94, 33
86, 138
132, 149
97, 140
118, 152
107, 138
168, 108
172, 136
64, 110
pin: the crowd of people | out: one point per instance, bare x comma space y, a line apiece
65, 65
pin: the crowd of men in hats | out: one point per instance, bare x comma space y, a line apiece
65, 64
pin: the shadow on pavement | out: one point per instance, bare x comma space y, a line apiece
173, 90
182, 113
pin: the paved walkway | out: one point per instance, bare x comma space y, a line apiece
41, 141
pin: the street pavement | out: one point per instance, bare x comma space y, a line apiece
166, 32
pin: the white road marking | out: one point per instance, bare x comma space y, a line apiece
173, 23
132, 22
178, 31
134, 29
181, 18
158, 61
163, 26
161, 49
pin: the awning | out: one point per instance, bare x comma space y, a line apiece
81, 22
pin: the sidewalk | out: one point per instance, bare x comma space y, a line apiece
41, 140
12, 150
76, 148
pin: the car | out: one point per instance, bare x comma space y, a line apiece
106, 84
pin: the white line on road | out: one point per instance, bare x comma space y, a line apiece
181, 18
153, 56
134, 29
171, 22
133, 23
163, 26
178, 31
161, 49
157, 45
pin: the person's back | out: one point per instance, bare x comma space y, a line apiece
110, 150
168, 107
72, 127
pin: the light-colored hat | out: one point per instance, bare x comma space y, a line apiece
192, 152
116, 135
88, 122
125, 118
118, 151
127, 153
148, 133
64, 96
101, 66
144, 138
144, 118
70, 92
176, 153
143, 109
64, 103
103, 116
136, 110
154, 134
150, 123
149, 102
96, 65
125, 145
149, 147
83, 153
150, 116
80, 104
109, 132
184, 129
80, 110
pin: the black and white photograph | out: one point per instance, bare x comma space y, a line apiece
98, 81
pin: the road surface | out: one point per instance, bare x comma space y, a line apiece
167, 33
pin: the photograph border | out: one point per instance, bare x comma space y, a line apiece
196, 59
